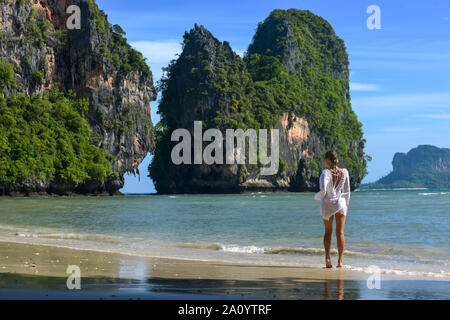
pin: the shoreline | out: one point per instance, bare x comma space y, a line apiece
177, 251
39, 272
249, 261
245, 191
44, 195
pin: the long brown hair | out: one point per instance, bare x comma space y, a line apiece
335, 172
332, 156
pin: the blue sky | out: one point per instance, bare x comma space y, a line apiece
400, 84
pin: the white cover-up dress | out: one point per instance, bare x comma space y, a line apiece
334, 198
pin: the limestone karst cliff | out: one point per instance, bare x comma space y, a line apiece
94, 62
293, 77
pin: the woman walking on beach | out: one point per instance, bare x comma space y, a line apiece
335, 196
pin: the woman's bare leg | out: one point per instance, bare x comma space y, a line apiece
340, 225
327, 240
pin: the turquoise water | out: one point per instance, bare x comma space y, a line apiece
402, 232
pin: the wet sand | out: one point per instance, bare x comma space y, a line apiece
39, 272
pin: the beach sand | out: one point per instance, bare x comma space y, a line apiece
29, 271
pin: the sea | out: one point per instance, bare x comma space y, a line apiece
400, 232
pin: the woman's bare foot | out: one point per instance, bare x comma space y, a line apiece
328, 262
339, 264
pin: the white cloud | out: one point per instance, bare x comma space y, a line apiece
358, 86
406, 104
158, 54
158, 51
240, 53
401, 55
405, 56
400, 129
438, 116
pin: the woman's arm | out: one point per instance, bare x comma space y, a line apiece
323, 182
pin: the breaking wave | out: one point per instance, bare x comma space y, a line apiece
263, 250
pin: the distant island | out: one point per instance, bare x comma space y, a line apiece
425, 166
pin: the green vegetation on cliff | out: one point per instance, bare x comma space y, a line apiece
46, 137
224, 80
422, 167
85, 136
7, 76
299, 61
118, 50
295, 64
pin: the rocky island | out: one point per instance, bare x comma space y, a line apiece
74, 104
425, 166
293, 77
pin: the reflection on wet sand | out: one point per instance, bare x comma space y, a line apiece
339, 293
32, 271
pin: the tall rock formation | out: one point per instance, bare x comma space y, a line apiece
96, 63
294, 77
